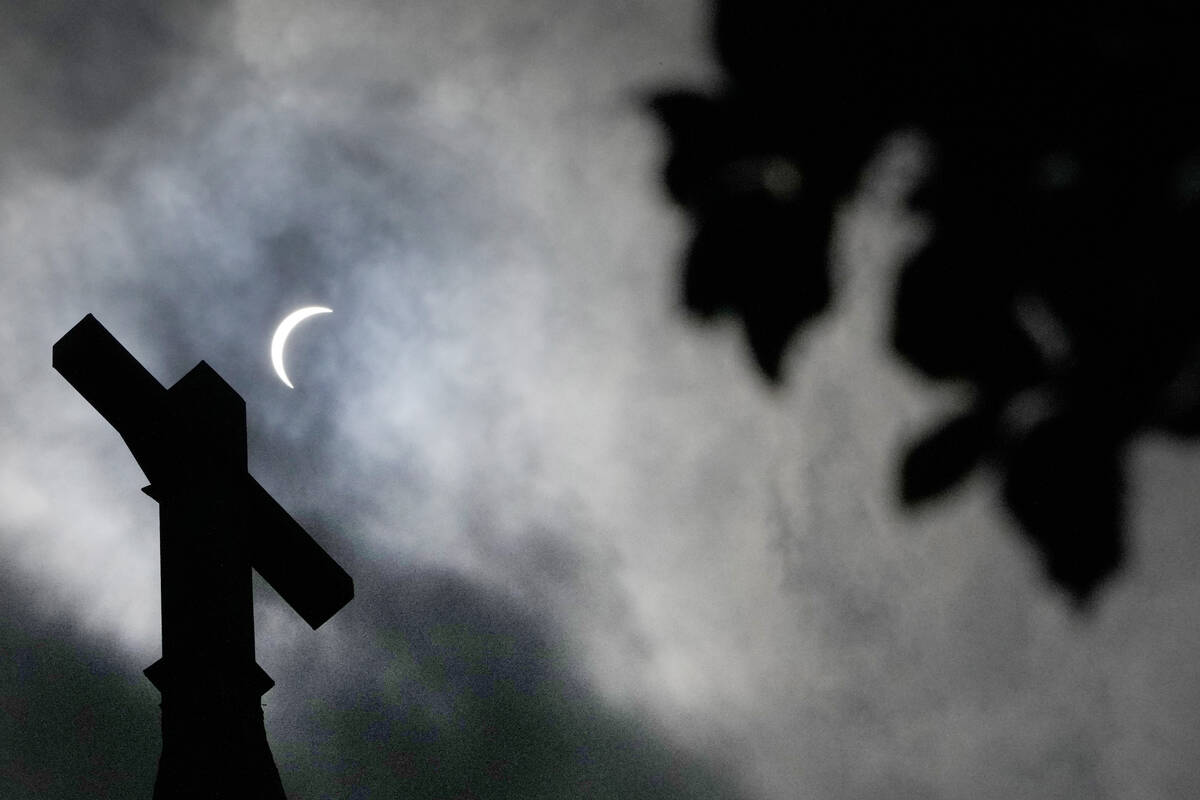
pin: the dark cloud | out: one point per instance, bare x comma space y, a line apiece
74, 68
76, 721
445, 688
438, 687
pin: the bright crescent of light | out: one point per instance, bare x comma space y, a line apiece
281, 334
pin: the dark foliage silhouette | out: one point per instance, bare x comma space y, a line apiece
1060, 279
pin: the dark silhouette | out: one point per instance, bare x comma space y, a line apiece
1060, 281
216, 523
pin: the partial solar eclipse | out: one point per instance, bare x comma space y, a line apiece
281, 334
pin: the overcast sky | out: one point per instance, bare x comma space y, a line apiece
595, 554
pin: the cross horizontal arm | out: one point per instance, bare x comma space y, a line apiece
117, 385
293, 563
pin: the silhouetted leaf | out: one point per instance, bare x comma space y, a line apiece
944, 458
1064, 486
693, 122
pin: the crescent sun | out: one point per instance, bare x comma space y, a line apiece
281, 334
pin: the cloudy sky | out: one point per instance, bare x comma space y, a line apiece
595, 555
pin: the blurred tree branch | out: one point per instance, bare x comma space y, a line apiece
1065, 197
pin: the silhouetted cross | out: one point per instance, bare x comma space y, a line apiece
216, 522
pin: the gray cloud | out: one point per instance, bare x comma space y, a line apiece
73, 69
594, 555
